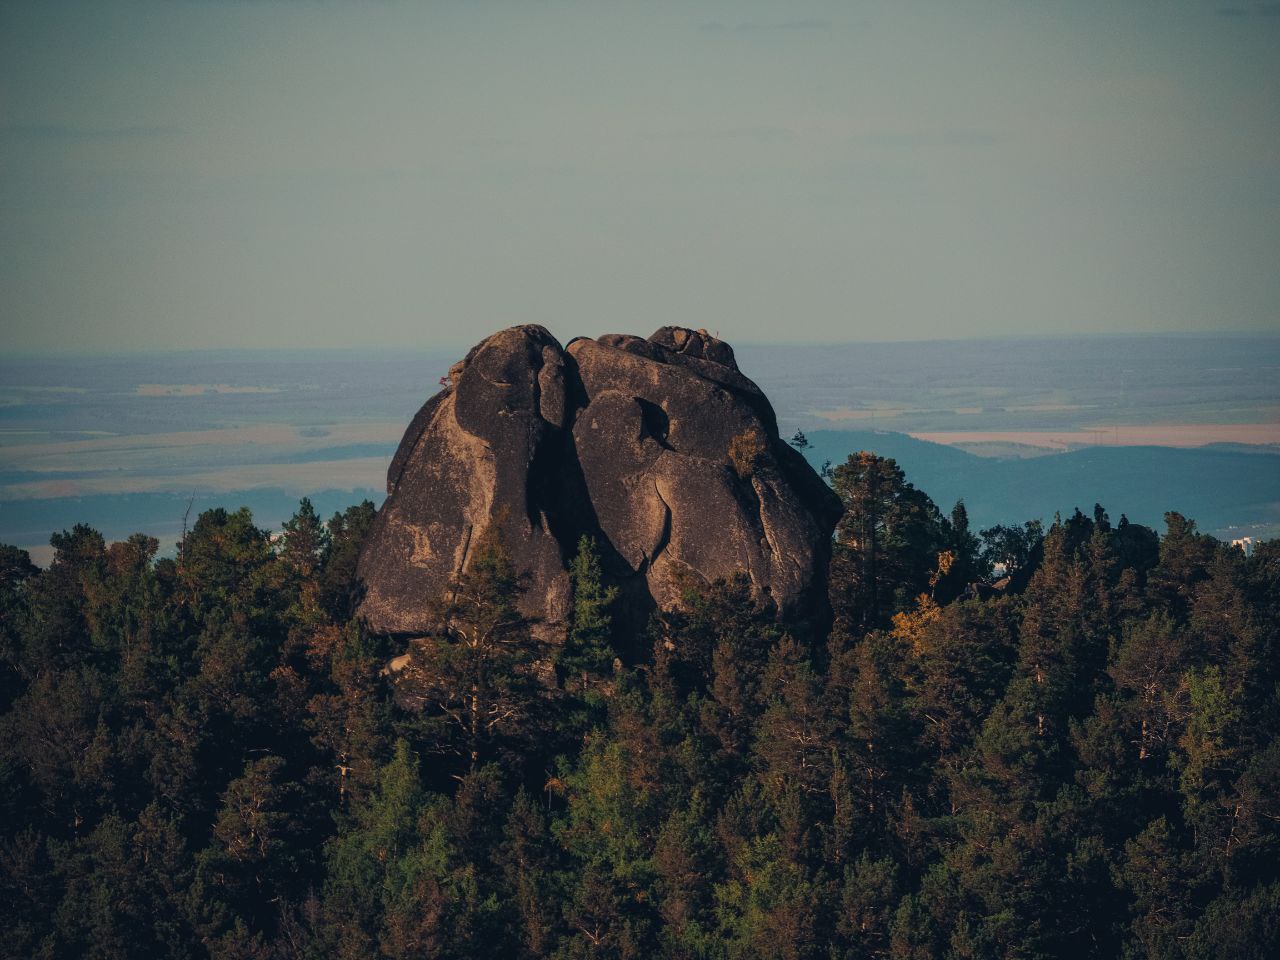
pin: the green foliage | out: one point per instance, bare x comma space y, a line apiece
588, 651
305, 540
474, 673
206, 756
887, 542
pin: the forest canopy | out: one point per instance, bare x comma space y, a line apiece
1076, 755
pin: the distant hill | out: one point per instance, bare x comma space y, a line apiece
1221, 487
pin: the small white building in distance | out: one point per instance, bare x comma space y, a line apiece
1244, 544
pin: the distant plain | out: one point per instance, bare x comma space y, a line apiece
1017, 427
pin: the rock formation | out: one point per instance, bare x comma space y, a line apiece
661, 449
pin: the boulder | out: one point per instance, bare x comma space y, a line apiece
661, 449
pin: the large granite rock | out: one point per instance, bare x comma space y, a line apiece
661, 449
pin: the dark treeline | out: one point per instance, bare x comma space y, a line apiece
204, 756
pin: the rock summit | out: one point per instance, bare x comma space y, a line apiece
660, 449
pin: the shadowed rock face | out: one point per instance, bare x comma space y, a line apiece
660, 448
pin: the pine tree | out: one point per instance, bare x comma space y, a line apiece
365, 862
255, 856
341, 591
476, 672
1018, 550
527, 861
587, 651
887, 542
305, 539
966, 556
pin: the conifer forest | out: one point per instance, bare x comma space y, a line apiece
1024, 742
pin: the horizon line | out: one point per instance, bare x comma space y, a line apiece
367, 350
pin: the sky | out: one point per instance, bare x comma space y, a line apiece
286, 173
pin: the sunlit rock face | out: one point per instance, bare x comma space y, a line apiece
660, 449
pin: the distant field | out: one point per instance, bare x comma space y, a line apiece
1128, 435
213, 460
125, 442
1063, 384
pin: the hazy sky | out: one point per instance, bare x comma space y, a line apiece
241, 174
